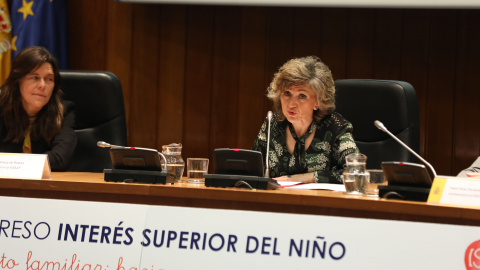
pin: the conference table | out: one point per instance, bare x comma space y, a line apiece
76, 220
84, 186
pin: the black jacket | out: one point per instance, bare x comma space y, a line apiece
59, 150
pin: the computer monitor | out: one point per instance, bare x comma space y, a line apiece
135, 158
238, 162
406, 174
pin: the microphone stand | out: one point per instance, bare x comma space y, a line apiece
380, 126
267, 170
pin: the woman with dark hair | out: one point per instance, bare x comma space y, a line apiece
308, 140
33, 118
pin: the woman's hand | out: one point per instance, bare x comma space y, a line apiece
285, 178
304, 178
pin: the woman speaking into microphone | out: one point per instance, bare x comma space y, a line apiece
308, 140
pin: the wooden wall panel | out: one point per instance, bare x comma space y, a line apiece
334, 40
171, 75
118, 49
86, 34
360, 43
467, 95
198, 82
441, 82
414, 61
252, 75
387, 44
142, 98
198, 74
225, 78
306, 31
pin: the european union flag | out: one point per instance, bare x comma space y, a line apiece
5, 41
40, 23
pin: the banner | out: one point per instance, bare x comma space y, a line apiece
5, 41
45, 234
40, 23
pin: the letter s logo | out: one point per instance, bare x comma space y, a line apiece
472, 256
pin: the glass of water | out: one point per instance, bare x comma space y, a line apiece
356, 176
196, 169
376, 179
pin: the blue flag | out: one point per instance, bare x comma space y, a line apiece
5, 41
40, 23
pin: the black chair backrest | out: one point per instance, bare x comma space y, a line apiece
394, 103
100, 116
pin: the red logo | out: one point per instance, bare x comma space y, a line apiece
472, 256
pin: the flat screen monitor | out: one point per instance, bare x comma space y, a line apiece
406, 174
238, 162
134, 158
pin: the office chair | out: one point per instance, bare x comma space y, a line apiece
394, 103
100, 116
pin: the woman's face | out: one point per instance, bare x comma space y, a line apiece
298, 103
36, 88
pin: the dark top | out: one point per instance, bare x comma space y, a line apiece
59, 150
325, 156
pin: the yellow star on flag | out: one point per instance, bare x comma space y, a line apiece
14, 40
26, 9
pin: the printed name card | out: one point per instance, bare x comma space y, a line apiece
24, 166
455, 191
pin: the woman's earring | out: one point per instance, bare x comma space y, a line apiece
315, 108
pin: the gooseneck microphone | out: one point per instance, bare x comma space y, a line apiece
380, 126
269, 116
105, 145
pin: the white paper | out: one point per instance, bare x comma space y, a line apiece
325, 186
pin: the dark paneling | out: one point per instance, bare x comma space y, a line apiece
414, 61
225, 78
118, 50
467, 94
440, 93
171, 75
143, 116
198, 74
252, 75
306, 31
280, 38
334, 40
360, 46
87, 29
198, 81
387, 48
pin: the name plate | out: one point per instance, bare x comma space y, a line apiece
455, 191
24, 166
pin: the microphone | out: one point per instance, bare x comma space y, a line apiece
267, 171
105, 145
380, 126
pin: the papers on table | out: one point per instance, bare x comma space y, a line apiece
309, 186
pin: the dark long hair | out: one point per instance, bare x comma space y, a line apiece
49, 120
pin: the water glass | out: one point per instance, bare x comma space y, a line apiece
371, 186
196, 169
355, 175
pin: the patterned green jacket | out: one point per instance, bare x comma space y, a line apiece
325, 156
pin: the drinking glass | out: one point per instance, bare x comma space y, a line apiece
355, 175
196, 169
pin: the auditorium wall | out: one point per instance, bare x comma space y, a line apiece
197, 74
